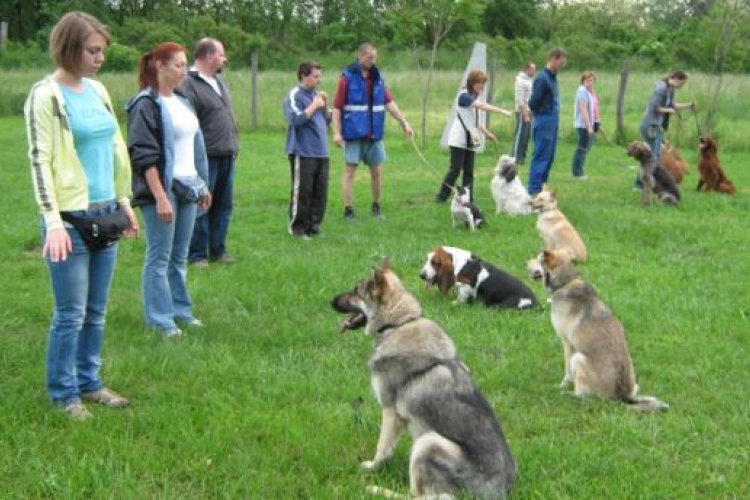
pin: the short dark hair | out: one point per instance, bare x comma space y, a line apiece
677, 75
557, 53
204, 47
528, 65
306, 68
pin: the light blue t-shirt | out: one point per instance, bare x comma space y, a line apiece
583, 96
93, 130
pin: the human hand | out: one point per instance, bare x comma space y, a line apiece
338, 140
164, 209
133, 230
205, 202
408, 130
57, 245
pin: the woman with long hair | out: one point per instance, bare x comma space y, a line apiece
169, 184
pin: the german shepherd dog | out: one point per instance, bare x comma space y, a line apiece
421, 385
655, 177
554, 228
712, 176
597, 361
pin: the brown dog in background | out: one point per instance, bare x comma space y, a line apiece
712, 176
673, 162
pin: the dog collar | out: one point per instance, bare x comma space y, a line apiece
389, 326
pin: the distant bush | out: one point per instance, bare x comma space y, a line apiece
121, 58
22, 55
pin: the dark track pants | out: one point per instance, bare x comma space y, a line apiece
309, 195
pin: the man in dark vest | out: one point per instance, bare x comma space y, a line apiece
213, 105
359, 124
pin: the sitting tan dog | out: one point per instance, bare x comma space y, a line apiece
555, 229
597, 361
673, 162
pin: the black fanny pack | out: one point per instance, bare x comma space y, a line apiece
101, 231
190, 189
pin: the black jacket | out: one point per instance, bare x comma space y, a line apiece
214, 114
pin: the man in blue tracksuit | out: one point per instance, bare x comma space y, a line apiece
544, 103
307, 146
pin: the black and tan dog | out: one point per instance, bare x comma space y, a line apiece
655, 177
597, 361
422, 386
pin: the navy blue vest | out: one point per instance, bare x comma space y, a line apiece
363, 118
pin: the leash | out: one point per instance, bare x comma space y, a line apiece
609, 141
432, 168
697, 125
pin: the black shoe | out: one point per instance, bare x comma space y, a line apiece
441, 198
376, 211
349, 214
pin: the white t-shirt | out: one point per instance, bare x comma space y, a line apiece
185, 125
211, 81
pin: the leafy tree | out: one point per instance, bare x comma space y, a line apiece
511, 18
431, 21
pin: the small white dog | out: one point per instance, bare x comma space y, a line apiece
509, 194
464, 210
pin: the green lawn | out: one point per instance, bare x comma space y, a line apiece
262, 403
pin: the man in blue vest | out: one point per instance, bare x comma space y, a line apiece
544, 103
359, 124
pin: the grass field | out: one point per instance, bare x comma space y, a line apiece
263, 403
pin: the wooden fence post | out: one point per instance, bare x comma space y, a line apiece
254, 90
620, 132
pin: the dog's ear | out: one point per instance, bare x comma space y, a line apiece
386, 264
549, 259
380, 279
445, 277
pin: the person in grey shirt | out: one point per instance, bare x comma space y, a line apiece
212, 100
660, 106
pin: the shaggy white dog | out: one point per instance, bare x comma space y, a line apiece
509, 194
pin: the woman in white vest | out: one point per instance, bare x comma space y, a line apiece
467, 133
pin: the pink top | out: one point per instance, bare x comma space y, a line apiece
595, 105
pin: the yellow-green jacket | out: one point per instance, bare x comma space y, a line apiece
58, 176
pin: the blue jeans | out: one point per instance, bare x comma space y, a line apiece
165, 293
80, 286
211, 227
653, 136
579, 157
545, 145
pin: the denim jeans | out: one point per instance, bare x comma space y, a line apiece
211, 227
165, 293
579, 157
80, 286
545, 129
653, 136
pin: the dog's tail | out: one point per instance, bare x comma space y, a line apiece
386, 493
645, 403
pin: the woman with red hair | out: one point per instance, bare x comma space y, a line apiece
170, 174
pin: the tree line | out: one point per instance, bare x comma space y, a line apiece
705, 35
